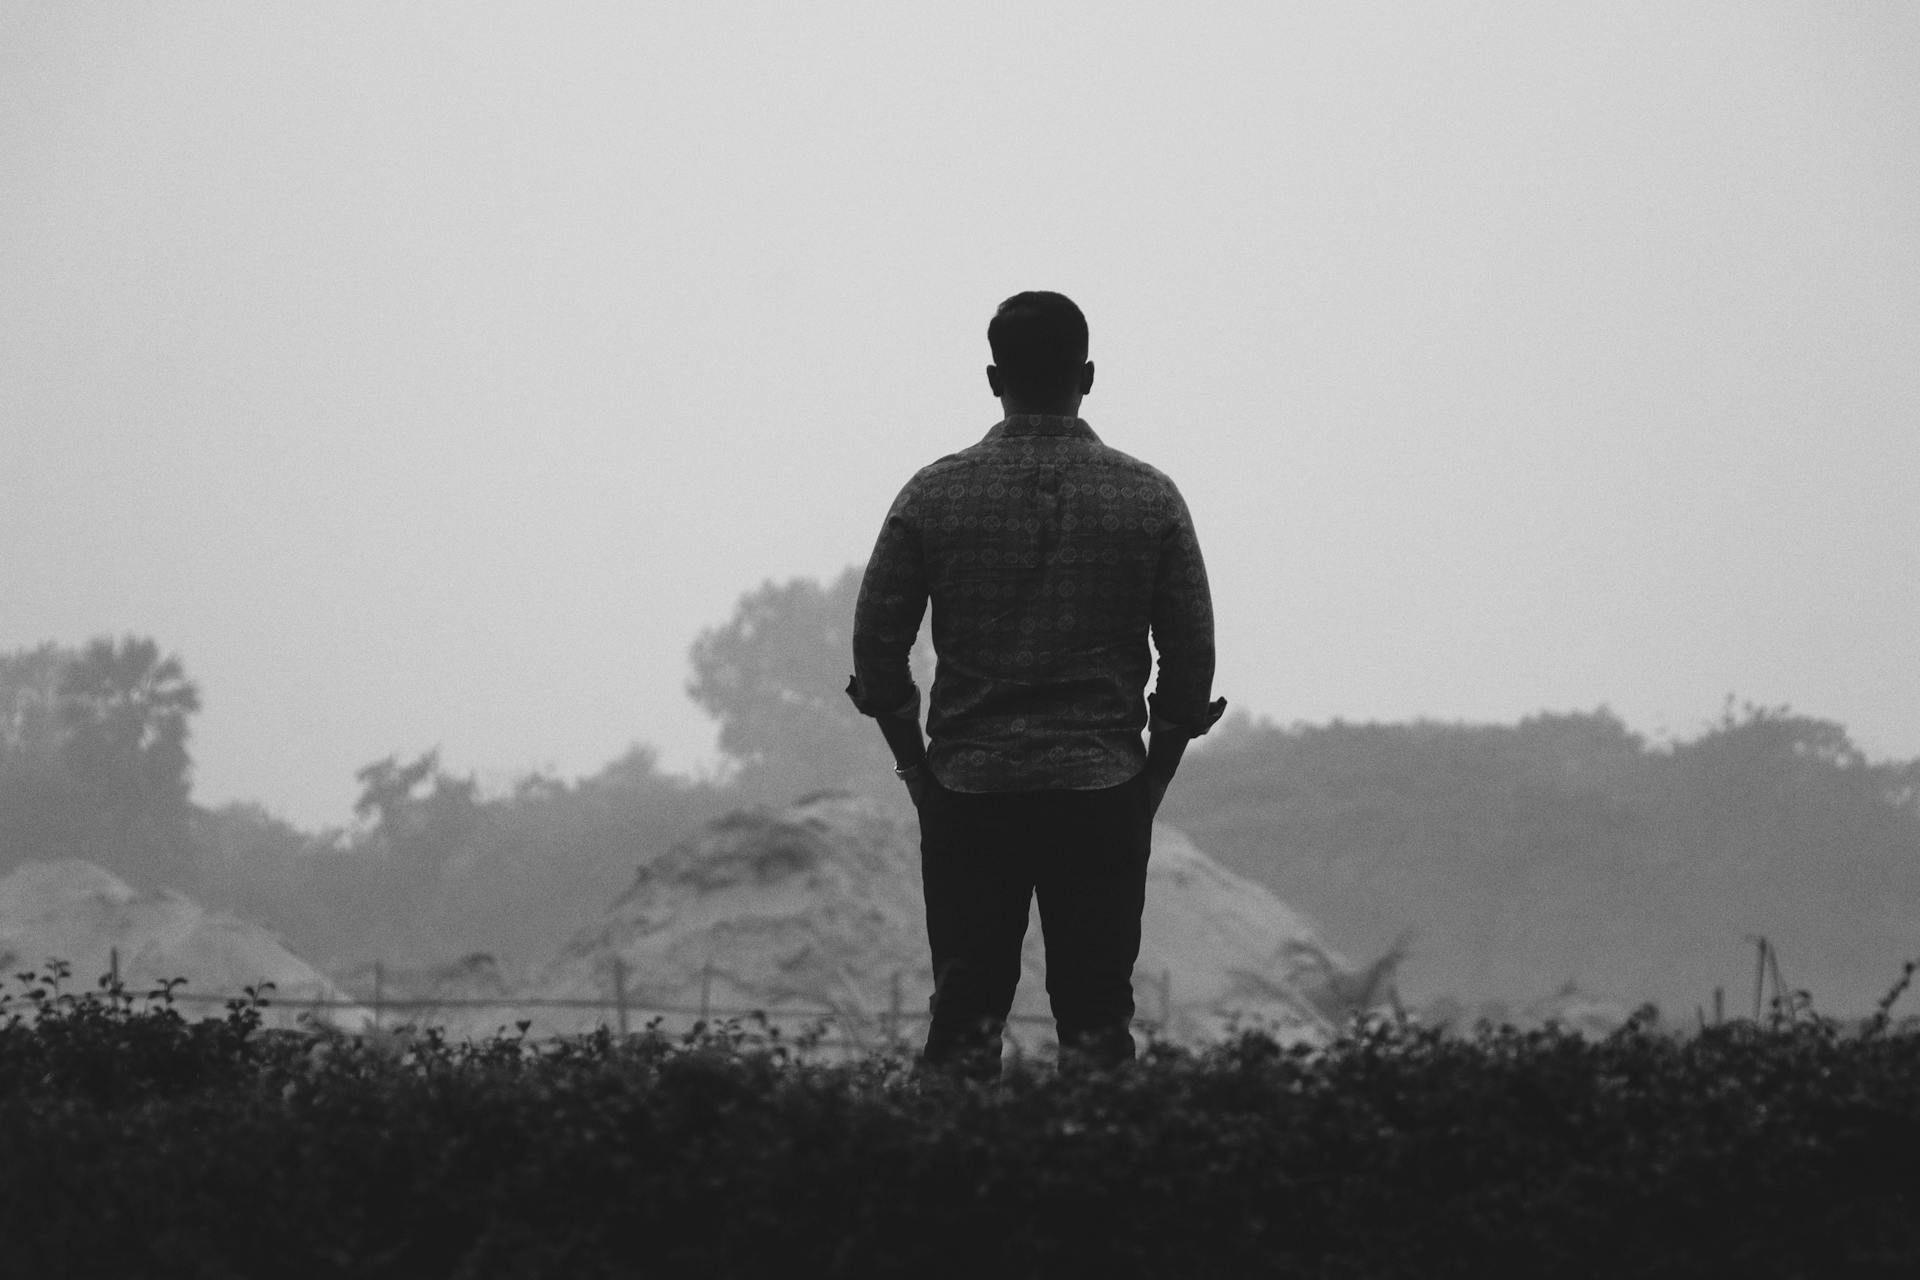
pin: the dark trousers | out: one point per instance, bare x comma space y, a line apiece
983, 858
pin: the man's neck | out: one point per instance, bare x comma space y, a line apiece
1051, 408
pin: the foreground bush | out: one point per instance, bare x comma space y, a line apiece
136, 1143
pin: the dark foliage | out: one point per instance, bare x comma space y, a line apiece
133, 1142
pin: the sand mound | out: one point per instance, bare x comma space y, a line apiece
79, 913
817, 907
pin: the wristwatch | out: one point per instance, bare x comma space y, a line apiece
905, 771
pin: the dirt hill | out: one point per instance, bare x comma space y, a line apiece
88, 917
817, 908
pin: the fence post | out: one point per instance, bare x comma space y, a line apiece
379, 981
706, 987
1759, 973
893, 1011
1719, 1005
113, 965
620, 990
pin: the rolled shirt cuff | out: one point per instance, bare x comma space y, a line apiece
1193, 727
908, 710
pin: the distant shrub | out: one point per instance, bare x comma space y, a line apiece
135, 1142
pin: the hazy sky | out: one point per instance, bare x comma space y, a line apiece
432, 374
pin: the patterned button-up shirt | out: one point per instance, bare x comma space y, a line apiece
1049, 559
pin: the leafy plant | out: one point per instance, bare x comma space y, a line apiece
133, 1141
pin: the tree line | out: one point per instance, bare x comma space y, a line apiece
1510, 858
1566, 848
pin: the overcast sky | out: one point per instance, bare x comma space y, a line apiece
432, 374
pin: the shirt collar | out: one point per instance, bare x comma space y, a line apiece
1042, 424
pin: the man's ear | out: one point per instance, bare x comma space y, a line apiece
993, 380
1086, 378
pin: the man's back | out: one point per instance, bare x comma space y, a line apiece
1049, 558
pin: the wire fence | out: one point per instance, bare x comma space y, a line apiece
859, 1030
836, 1028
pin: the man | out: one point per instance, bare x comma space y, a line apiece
1049, 558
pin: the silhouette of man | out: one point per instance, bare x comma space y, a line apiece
1050, 558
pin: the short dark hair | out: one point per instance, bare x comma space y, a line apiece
1039, 342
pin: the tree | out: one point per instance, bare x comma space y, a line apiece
93, 757
39, 803
775, 676
432, 870
422, 818
124, 709
30, 700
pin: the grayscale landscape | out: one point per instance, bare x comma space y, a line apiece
439, 449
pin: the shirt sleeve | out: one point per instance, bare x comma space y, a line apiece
1182, 623
886, 618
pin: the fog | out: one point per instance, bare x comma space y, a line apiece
431, 375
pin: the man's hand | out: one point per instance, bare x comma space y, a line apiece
917, 777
